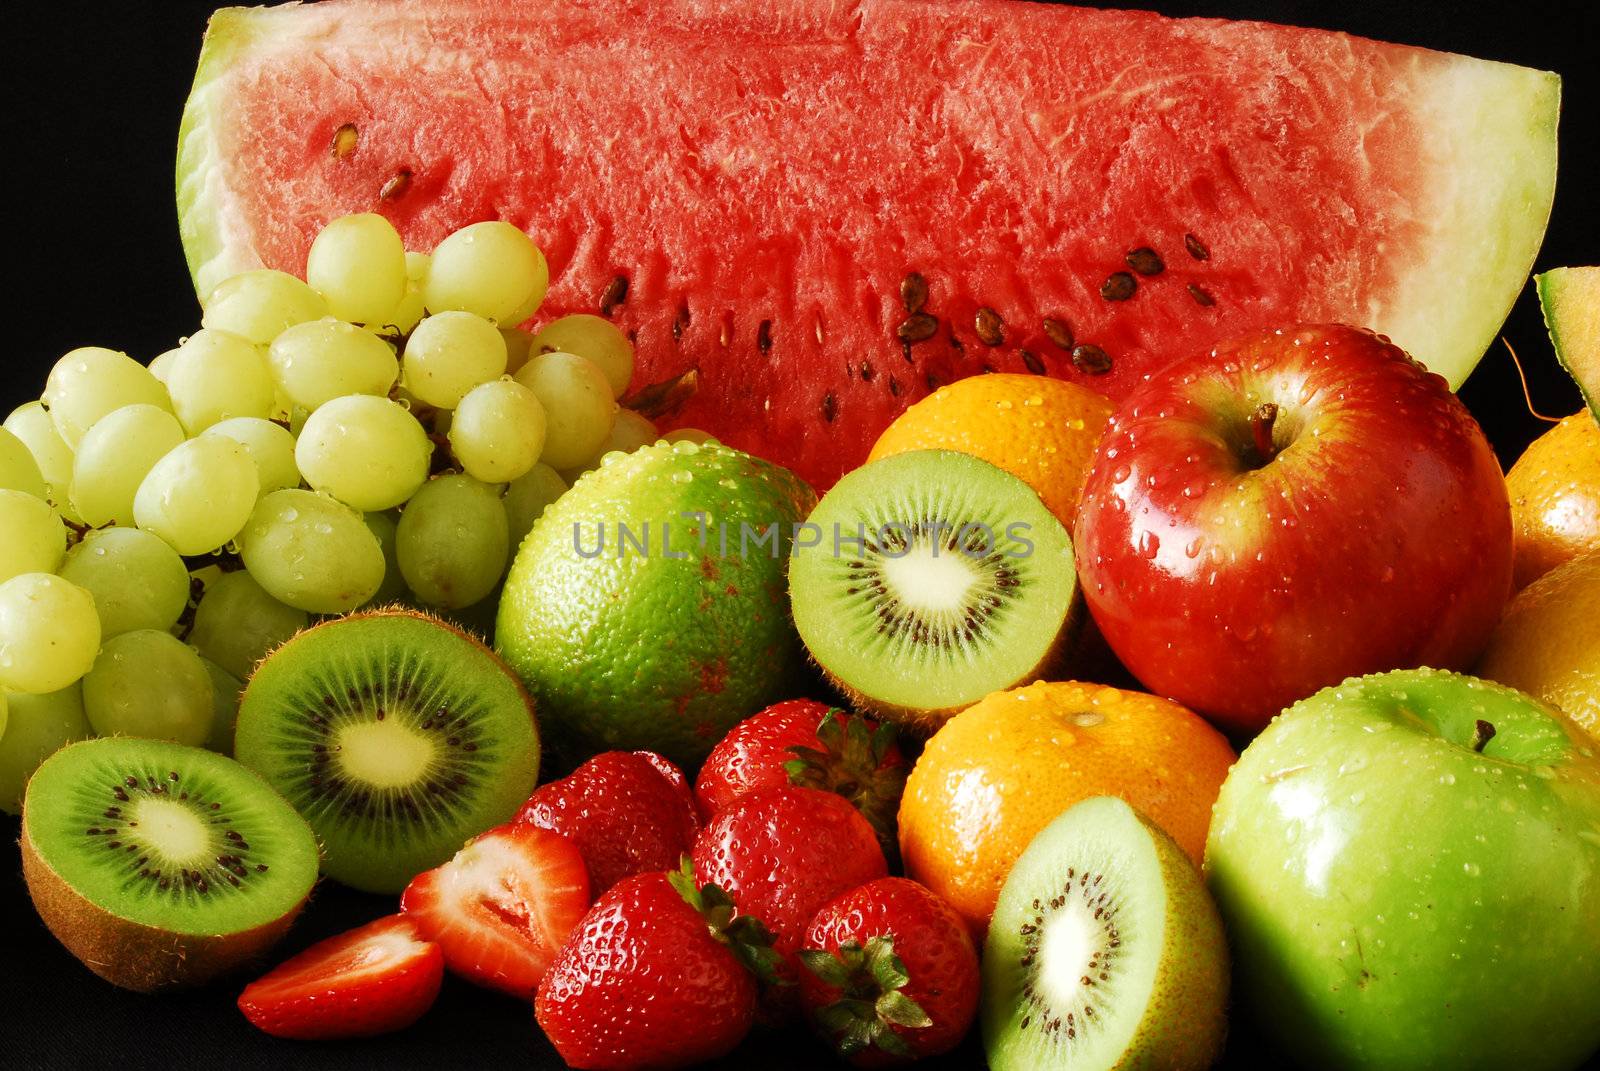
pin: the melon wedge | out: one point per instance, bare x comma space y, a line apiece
763, 178
1570, 298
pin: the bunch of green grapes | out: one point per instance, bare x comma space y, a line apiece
383, 430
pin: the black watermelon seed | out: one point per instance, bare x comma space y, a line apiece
1059, 332
1119, 286
396, 187
990, 328
764, 337
615, 293
1146, 261
1090, 359
894, 386
932, 381
1197, 249
1201, 295
918, 327
914, 292
1033, 363
867, 371
830, 407
679, 322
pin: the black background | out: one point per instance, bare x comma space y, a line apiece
93, 96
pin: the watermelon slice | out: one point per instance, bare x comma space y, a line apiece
825, 210
1570, 298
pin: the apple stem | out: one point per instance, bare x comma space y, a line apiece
1482, 733
1261, 422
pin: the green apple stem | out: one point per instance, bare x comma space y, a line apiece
1261, 422
1482, 733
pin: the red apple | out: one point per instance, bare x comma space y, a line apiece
1287, 511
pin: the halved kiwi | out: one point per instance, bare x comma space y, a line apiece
936, 579
397, 736
1105, 951
160, 865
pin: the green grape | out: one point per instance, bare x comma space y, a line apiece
49, 633
316, 362
448, 354
497, 432
409, 312
218, 376
199, 495
269, 445
138, 582
311, 552
36, 728
259, 304
18, 469
491, 269
32, 537
90, 382
577, 403
452, 541
226, 691
517, 351
358, 263
32, 426
114, 458
369, 453
393, 589
160, 365
149, 683
236, 622
629, 433
595, 338
689, 435
526, 499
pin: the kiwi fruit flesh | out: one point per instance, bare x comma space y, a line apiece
1105, 951
397, 736
160, 865
938, 579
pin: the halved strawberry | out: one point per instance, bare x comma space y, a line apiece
502, 907
374, 979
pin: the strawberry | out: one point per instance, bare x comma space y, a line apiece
502, 907
659, 974
804, 742
629, 812
781, 853
372, 980
891, 975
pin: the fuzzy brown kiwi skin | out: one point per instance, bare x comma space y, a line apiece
130, 954
1060, 662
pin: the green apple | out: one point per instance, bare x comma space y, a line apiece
1408, 865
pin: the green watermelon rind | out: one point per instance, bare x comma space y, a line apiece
1493, 144
1576, 340
1498, 122
202, 211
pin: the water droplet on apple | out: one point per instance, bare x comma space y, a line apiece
1149, 544
1447, 779
1470, 869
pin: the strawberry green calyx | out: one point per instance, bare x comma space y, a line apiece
871, 1005
746, 936
851, 764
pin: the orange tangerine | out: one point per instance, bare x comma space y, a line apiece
1548, 643
1000, 771
1042, 431
1555, 497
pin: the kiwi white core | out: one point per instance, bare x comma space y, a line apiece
383, 754
172, 829
932, 579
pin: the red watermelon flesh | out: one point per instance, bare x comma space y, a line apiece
764, 177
